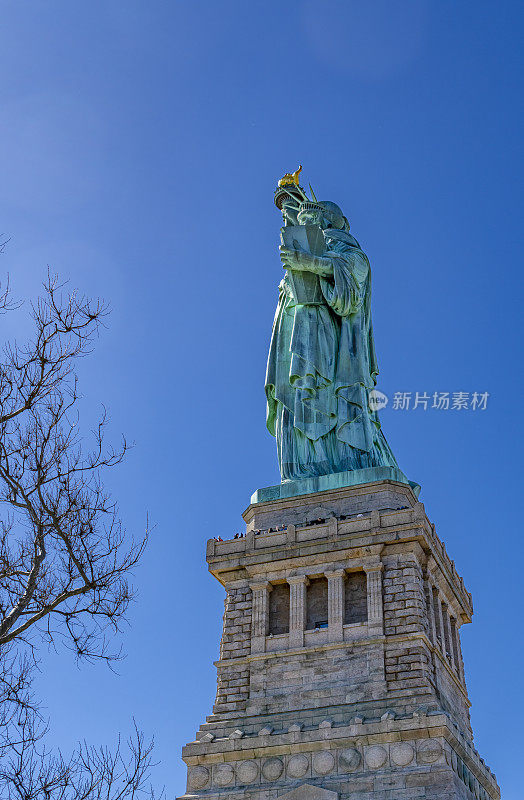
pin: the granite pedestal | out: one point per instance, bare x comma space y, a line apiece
340, 674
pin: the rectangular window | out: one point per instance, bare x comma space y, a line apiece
355, 598
317, 604
279, 609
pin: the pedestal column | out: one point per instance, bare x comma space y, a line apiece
374, 590
440, 618
449, 638
458, 651
297, 609
431, 614
260, 615
335, 605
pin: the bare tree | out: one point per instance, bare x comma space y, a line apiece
65, 558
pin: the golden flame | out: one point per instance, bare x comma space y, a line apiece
290, 178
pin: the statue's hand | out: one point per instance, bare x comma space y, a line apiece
296, 258
288, 256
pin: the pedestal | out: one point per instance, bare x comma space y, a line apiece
361, 693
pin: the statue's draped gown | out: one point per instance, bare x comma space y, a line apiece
321, 367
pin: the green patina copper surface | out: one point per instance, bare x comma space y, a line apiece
336, 480
322, 364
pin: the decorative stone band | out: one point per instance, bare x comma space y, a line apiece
314, 764
432, 754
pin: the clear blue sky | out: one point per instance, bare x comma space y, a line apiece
141, 142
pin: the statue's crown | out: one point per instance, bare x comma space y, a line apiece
309, 205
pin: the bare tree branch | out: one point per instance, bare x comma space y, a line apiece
65, 558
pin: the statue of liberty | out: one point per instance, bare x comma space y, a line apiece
322, 364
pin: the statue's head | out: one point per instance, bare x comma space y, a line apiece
333, 216
298, 209
323, 213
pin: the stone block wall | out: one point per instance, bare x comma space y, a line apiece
236, 636
233, 679
404, 601
307, 680
452, 695
408, 661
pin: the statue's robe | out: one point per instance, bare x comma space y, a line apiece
321, 367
